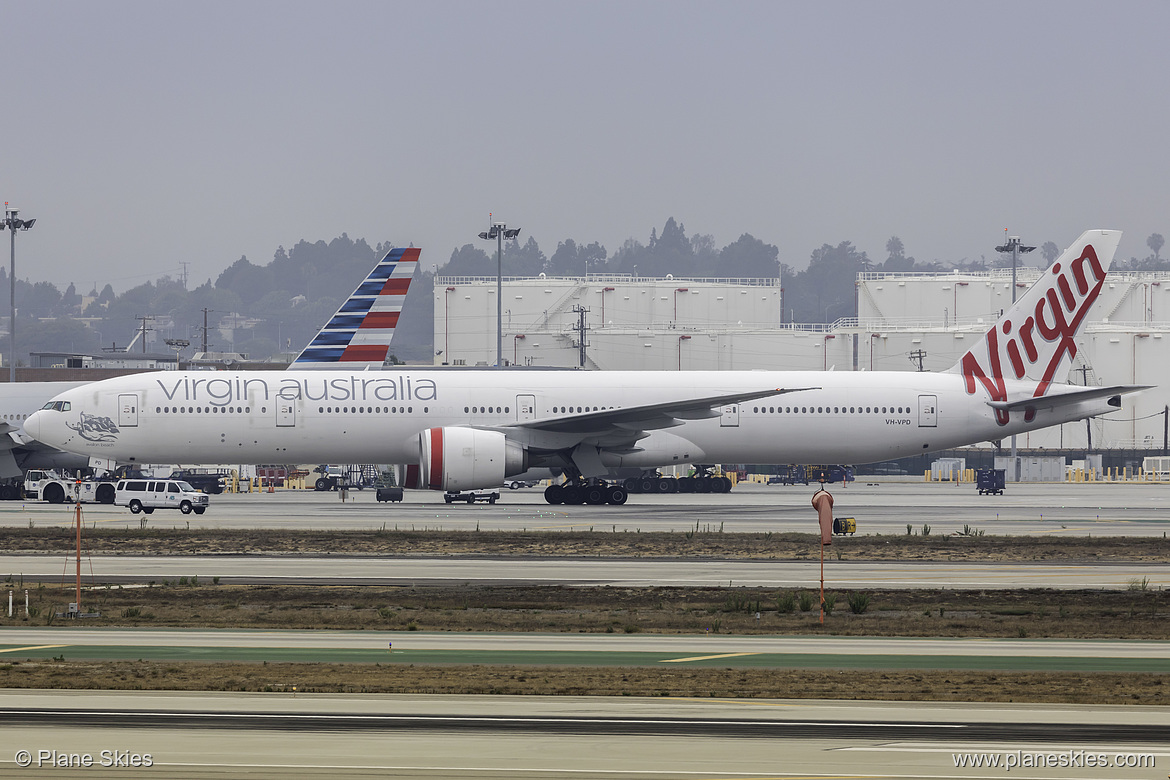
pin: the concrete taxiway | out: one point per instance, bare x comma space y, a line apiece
409, 647
1098, 509
353, 570
330, 736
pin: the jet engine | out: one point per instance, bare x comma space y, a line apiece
454, 459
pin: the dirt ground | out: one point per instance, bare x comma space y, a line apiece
591, 544
290, 679
896, 612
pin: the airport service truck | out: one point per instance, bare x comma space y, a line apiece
47, 485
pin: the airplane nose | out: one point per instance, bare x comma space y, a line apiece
32, 426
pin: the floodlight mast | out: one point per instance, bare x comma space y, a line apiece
499, 231
11, 222
1013, 245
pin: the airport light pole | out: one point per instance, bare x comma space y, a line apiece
499, 231
1013, 245
11, 222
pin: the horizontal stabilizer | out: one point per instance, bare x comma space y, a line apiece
1058, 399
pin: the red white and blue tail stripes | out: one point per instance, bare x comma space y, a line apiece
359, 333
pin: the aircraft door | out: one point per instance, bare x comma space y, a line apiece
729, 417
928, 411
525, 408
286, 413
128, 410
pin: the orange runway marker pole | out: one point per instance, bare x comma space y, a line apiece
822, 501
77, 519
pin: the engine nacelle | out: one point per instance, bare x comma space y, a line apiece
456, 458
660, 448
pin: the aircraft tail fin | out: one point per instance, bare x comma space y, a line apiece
1036, 338
359, 334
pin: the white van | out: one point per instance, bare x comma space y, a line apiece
147, 495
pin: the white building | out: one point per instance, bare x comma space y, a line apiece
630, 322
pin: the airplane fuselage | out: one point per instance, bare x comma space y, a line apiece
375, 417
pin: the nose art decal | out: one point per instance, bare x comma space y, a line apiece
94, 428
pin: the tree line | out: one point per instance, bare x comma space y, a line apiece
282, 304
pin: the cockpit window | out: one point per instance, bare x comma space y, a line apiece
57, 406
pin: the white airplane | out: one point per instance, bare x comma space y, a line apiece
358, 335
452, 429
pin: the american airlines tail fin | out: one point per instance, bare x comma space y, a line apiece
359, 334
1036, 338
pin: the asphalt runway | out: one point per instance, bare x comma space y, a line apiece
330, 736
1097, 509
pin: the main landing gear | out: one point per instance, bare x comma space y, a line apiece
592, 491
598, 491
700, 483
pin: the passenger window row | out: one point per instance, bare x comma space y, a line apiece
203, 409
369, 409
831, 409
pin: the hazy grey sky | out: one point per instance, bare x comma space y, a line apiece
143, 134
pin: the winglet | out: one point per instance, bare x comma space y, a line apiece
359, 334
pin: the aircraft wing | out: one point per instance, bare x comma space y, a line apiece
9, 440
579, 438
1067, 398
647, 416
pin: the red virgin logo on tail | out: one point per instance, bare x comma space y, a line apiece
1045, 337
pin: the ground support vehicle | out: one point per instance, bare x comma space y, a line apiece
472, 496
333, 477
990, 481
211, 482
390, 493
11, 488
789, 475
830, 473
844, 525
147, 495
45, 485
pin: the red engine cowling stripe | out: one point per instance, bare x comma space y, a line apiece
436, 475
